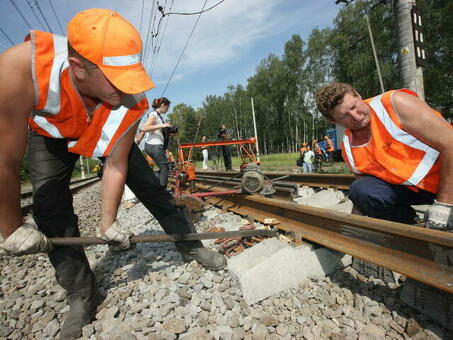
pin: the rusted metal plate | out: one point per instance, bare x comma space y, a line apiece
418, 253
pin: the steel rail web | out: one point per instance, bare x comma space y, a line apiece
402, 248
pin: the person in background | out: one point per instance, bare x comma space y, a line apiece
223, 135
330, 149
309, 158
204, 151
154, 142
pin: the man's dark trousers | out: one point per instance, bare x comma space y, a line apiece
379, 199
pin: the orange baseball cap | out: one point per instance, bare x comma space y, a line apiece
108, 40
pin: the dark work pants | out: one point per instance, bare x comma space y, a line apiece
227, 157
50, 166
379, 199
158, 153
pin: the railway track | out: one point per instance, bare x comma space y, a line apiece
415, 252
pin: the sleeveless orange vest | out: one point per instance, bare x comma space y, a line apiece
59, 111
330, 147
392, 154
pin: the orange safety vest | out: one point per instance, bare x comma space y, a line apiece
392, 154
59, 111
330, 147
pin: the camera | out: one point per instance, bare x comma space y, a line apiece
172, 130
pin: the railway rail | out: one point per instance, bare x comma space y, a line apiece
418, 253
415, 252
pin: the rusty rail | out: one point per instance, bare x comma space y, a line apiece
402, 248
336, 181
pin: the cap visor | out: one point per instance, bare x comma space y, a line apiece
130, 80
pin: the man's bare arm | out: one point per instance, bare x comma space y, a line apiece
417, 118
114, 178
16, 101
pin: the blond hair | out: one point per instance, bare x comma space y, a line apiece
330, 95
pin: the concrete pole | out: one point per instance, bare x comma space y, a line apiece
256, 134
81, 167
374, 53
411, 75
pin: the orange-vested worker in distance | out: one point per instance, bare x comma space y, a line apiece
303, 148
330, 148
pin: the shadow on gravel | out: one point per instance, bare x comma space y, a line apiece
383, 293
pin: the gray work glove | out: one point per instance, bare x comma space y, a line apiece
440, 217
26, 239
117, 235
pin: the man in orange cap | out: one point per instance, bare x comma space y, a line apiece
330, 149
80, 96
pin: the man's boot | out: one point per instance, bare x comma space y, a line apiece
179, 223
73, 273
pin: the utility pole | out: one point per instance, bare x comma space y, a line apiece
374, 53
256, 134
81, 167
411, 52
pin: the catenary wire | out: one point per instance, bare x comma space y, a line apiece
56, 16
34, 13
141, 16
156, 56
145, 50
43, 16
183, 13
7, 37
184, 49
20, 13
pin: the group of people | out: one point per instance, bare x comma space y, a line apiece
81, 95
311, 157
84, 96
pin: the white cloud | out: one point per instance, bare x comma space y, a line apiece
222, 34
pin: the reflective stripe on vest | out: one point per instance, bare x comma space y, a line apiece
60, 63
425, 164
402, 136
347, 150
59, 110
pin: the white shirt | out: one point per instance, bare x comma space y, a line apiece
155, 137
309, 156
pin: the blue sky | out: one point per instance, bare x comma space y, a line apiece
225, 48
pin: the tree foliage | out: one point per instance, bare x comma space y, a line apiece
283, 87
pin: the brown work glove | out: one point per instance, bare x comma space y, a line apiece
26, 239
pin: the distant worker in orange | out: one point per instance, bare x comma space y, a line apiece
330, 149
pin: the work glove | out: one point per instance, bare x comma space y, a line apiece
118, 235
440, 216
26, 239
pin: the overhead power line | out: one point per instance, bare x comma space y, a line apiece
34, 13
141, 16
161, 10
7, 37
43, 16
56, 16
159, 44
20, 13
184, 49
192, 13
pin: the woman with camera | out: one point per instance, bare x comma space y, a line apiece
155, 137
